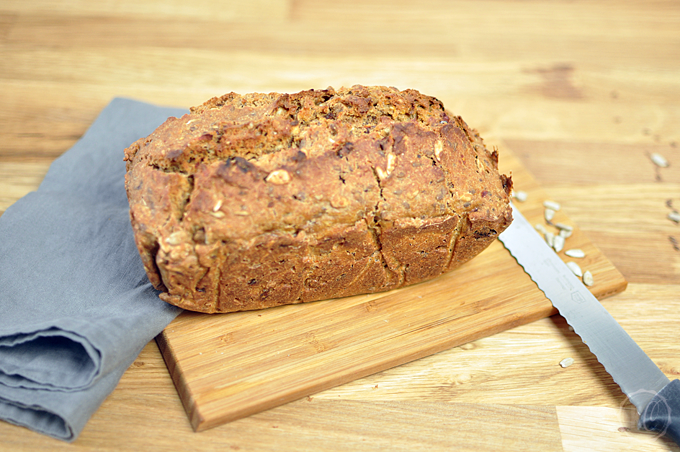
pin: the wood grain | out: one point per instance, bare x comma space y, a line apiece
578, 90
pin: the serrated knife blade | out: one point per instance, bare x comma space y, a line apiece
656, 398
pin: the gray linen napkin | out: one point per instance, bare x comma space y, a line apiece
76, 307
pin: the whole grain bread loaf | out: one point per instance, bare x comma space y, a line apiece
259, 200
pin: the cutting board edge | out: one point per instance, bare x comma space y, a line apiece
181, 385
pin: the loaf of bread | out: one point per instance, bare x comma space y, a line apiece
259, 200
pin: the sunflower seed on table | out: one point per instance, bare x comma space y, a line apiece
520, 196
552, 205
674, 216
549, 215
566, 233
588, 278
540, 228
566, 362
564, 227
659, 160
550, 239
558, 243
573, 266
575, 252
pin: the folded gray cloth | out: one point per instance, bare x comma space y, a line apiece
76, 305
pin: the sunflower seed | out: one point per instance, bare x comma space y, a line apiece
549, 215
575, 252
438, 148
588, 278
564, 227
558, 243
659, 160
278, 177
520, 196
566, 233
540, 228
550, 239
552, 205
674, 216
573, 266
566, 362
176, 238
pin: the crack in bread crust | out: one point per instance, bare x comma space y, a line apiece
257, 200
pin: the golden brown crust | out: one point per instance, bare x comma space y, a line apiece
258, 200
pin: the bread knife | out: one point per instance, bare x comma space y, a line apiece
656, 398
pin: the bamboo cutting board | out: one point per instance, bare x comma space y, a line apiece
230, 366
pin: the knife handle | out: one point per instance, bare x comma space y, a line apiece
662, 413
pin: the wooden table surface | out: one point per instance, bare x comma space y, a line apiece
581, 91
